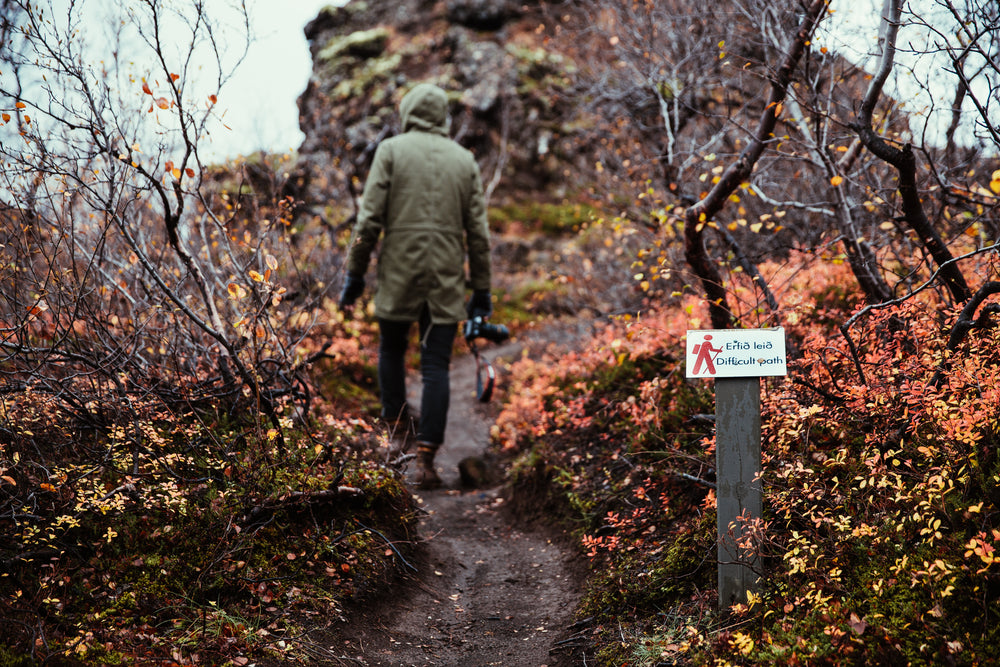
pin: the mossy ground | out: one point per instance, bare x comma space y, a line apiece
209, 559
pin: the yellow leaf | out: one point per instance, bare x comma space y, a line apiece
8, 479
176, 173
836, 180
163, 102
755, 227
256, 277
236, 291
271, 261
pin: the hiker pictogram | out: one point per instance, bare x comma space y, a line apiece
706, 355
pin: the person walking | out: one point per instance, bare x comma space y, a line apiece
424, 199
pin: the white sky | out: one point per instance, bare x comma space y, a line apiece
260, 101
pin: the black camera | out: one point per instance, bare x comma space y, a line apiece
477, 327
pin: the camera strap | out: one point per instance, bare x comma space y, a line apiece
484, 388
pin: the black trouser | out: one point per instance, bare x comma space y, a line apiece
436, 342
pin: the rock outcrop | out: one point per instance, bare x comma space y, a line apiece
510, 97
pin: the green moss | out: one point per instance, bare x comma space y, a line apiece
374, 72
361, 44
9, 658
551, 219
539, 69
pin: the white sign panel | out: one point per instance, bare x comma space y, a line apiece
728, 353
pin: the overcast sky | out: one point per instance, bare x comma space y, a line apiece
260, 101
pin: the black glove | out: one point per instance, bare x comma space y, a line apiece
480, 305
353, 287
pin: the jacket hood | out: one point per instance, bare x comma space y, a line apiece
425, 108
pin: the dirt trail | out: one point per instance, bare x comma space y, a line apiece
487, 592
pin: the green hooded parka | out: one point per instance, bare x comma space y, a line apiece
424, 195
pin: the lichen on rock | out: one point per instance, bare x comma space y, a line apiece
363, 44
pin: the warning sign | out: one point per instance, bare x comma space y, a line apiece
721, 353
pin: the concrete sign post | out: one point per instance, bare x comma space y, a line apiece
737, 359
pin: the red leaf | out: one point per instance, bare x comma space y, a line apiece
174, 77
163, 102
145, 88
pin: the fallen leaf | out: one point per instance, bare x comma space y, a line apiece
858, 625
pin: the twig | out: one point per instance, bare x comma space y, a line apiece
846, 326
391, 546
692, 478
966, 322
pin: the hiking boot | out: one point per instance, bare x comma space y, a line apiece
426, 477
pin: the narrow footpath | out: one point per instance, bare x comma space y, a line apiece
487, 592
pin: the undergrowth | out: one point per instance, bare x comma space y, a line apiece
194, 537
880, 530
